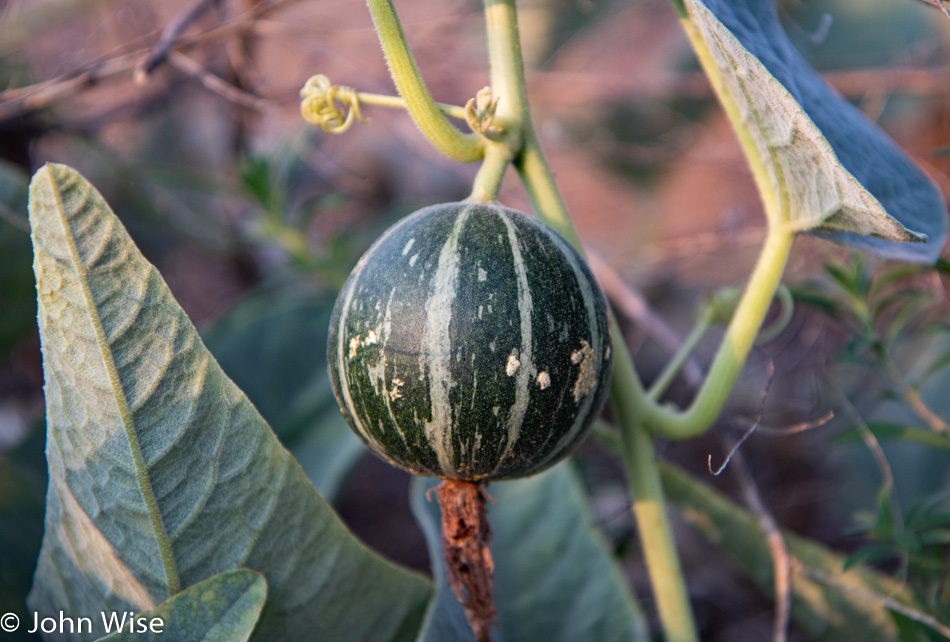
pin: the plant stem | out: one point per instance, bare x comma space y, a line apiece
689, 344
384, 100
491, 173
735, 346
649, 504
507, 68
430, 121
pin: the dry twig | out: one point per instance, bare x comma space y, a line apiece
468, 561
169, 38
781, 561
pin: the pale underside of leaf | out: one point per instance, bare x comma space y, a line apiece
162, 473
827, 168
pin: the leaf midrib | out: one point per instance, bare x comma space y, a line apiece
142, 479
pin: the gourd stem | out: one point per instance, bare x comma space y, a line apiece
689, 344
468, 561
430, 121
491, 173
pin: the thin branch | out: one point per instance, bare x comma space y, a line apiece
634, 306
881, 600
169, 38
769, 374
778, 549
215, 83
794, 429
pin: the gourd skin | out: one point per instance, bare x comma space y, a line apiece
470, 342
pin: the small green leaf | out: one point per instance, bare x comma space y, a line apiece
824, 612
222, 608
821, 165
161, 472
555, 579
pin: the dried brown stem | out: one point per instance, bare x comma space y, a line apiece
468, 561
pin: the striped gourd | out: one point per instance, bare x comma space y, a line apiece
470, 342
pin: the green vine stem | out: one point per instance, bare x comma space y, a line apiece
735, 346
431, 122
689, 344
490, 174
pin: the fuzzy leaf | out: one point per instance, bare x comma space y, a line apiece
223, 608
272, 344
161, 472
826, 168
555, 579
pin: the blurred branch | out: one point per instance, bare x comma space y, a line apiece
15, 102
169, 38
632, 304
769, 375
215, 83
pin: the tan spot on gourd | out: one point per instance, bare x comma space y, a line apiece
586, 377
512, 366
544, 380
396, 391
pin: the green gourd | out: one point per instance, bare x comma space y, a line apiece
471, 343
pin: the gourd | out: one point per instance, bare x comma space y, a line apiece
471, 343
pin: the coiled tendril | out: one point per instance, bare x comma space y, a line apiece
321, 105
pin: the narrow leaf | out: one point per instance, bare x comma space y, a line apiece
555, 579
822, 166
825, 612
162, 473
222, 608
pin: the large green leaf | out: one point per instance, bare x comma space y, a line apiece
273, 345
825, 612
822, 166
223, 608
162, 473
554, 576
